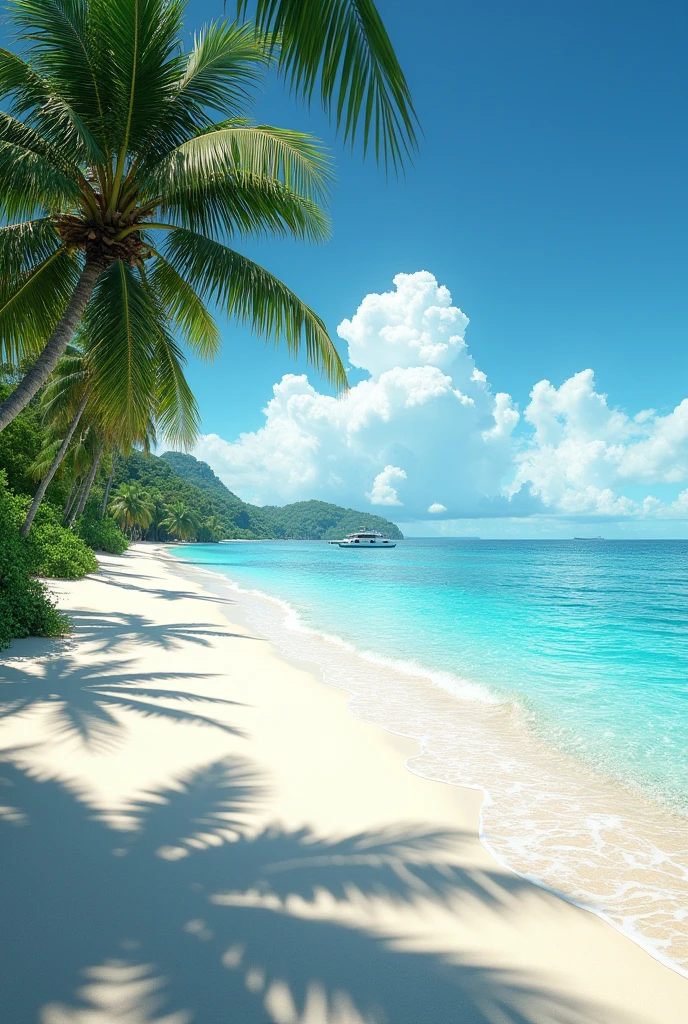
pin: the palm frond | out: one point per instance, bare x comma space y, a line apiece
31, 304
343, 46
241, 152
221, 207
26, 244
44, 460
65, 52
121, 327
34, 99
144, 67
185, 309
18, 132
177, 413
249, 293
136, 367
30, 183
248, 181
65, 389
226, 64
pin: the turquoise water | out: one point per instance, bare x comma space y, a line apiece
553, 676
591, 638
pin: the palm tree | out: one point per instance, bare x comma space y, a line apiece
342, 46
158, 516
211, 530
114, 456
120, 193
75, 394
97, 449
180, 522
132, 508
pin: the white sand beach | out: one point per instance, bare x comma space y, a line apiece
194, 829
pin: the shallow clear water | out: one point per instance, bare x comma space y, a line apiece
591, 637
554, 675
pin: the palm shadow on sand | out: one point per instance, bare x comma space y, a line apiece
155, 913
82, 698
112, 631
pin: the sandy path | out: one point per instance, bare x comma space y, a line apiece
192, 829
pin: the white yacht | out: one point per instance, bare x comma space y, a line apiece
365, 539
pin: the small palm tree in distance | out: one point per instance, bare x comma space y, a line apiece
211, 530
132, 509
181, 522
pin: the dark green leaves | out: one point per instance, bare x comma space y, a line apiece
137, 368
253, 296
30, 183
35, 293
107, 134
239, 179
343, 45
223, 69
185, 310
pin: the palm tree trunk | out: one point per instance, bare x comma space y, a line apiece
108, 485
55, 347
71, 499
69, 520
88, 484
43, 486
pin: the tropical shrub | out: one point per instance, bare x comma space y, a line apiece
101, 534
26, 608
21, 441
55, 551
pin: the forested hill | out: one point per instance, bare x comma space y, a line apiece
315, 520
303, 520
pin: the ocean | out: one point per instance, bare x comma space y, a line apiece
553, 675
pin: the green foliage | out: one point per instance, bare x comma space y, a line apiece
26, 608
131, 507
318, 520
210, 531
126, 166
20, 442
181, 522
303, 520
165, 487
342, 47
55, 551
100, 534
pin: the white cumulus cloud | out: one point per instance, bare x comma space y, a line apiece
424, 427
415, 325
383, 492
425, 435
582, 452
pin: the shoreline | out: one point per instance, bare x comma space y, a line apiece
631, 801
348, 889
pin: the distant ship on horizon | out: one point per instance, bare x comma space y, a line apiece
588, 538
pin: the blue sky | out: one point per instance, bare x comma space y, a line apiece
549, 197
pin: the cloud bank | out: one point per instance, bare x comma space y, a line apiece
424, 436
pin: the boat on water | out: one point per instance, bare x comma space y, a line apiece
365, 539
588, 538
